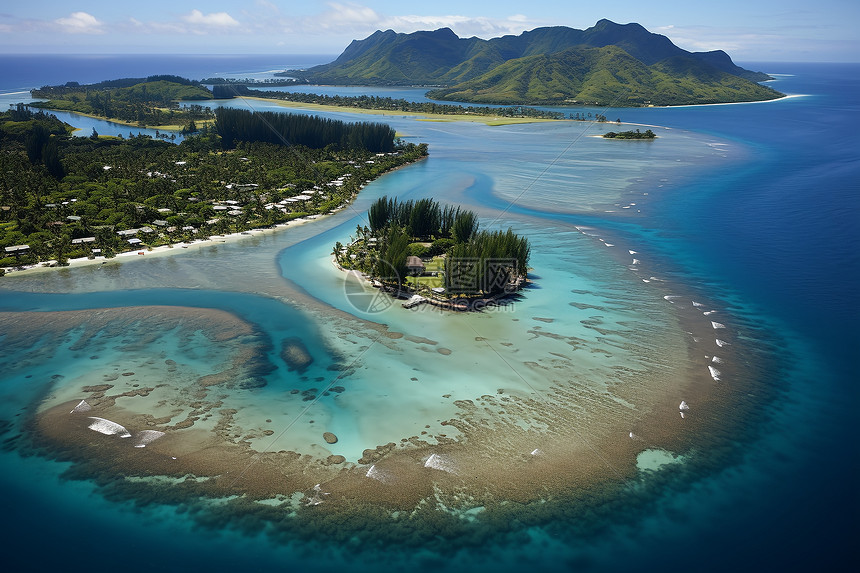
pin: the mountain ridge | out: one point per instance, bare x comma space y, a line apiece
472, 69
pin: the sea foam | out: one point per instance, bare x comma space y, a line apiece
439, 462
722, 343
717, 325
81, 407
146, 437
317, 497
379, 475
715, 374
108, 428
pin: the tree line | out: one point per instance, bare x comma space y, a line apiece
235, 125
384, 103
422, 219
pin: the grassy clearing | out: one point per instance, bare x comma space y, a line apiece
437, 265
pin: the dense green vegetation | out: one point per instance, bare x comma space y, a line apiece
152, 101
476, 263
647, 134
38, 133
608, 64
606, 76
386, 103
66, 197
295, 129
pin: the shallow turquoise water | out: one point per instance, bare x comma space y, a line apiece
754, 214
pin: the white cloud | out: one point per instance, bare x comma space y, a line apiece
737, 42
463, 26
213, 19
268, 6
346, 18
80, 23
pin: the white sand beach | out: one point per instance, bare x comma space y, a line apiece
164, 250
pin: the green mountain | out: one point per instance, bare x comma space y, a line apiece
607, 64
606, 76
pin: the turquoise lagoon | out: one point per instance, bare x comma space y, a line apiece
632, 242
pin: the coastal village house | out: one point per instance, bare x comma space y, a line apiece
414, 265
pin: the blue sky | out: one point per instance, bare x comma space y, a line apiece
749, 30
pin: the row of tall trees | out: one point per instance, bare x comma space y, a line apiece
491, 261
422, 219
235, 125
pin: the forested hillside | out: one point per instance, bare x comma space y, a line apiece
607, 64
153, 101
606, 76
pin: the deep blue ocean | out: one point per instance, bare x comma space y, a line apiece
776, 236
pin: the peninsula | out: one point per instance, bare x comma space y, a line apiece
65, 197
165, 102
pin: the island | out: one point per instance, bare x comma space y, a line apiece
67, 197
431, 253
607, 65
632, 134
